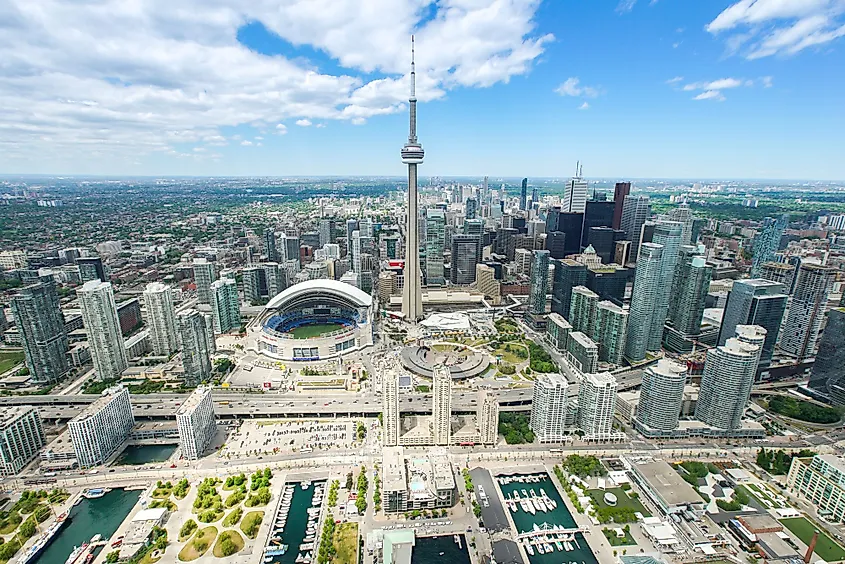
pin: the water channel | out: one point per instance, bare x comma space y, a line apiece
91, 516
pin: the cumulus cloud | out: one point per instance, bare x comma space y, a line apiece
303, 122
136, 78
584, 106
246, 143
712, 90
675, 80
572, 87
281, 129
762, 28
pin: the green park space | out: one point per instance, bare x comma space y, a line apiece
198, 545
623, 500
615, 540
346, 544
10, 359
826, 549
314, 330
228, 543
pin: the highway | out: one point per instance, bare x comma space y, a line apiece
229, 405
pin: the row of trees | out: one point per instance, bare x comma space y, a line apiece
778, 461
804, 410
514, 427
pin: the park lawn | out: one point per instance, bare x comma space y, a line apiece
346, 544
611, 537
9, 360
189, 552
252, 517
314, 330
764, 496
623, 500
825, 547
511, 357
236, 539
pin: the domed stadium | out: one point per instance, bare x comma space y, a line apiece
316, 319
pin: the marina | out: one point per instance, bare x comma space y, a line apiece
545, 527
90, 521
294, 530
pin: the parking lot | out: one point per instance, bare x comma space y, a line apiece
277, 437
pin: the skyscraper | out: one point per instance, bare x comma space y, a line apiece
102, 427
668, 234
635, 211
597, 213
582, 312
683, 215
327, 231
523, 195
161, 318
204, 275
41, 327
610, 331
827, 376
193, 334
539, 283
91, 268
435, 245
603, 240
442, 405
196, 423
412, 155
390, 407
552, 413
488, 416
621, 190
99, 315
755, 302
252, 284
21, 438
806, 310
766, 242
729, 373
225, 306
643, 301
466, 253
596, 405
575, 193
471, 210
661, 396
567, 275
270, 245
690, 285
780, 272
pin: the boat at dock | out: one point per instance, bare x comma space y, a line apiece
44, 540
77, 553
95, 493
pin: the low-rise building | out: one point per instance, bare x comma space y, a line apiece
421, 482
140, 531
665, 487
21, 437
821, 481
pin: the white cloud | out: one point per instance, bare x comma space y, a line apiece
303, 122
625, 6
259, 138
136, 78
281, 129
767, 81
710, 95
773, 27
572, 87
584, 106
675, 80
246, 143
320, 125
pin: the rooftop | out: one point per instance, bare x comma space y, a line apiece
9, 415
666, 484
193, 400
394, 476
106, 398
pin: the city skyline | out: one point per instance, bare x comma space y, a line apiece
284, 96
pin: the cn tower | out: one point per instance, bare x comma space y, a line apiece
412, 155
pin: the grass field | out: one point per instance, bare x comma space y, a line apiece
346, 544
611, 537
198, 545
9, 360
622, 500
315, 330
825, 547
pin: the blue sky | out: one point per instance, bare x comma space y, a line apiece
633, 89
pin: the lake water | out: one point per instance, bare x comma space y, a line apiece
102, 515
145, 454
559, 516
440, 550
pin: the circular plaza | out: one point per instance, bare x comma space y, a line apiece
462, 361
314, 320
